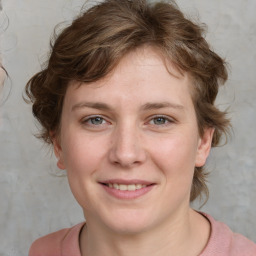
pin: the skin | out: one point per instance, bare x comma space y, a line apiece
138, 122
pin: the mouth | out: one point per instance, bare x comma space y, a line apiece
127, 189
124, 187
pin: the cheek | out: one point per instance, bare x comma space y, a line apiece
176, 162
175, 157
82, 160
176, 150
82, 153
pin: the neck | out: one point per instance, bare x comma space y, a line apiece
185, 235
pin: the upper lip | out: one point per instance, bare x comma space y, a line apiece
126, 182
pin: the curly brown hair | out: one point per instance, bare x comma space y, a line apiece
89, 48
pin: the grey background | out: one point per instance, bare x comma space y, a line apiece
34, 194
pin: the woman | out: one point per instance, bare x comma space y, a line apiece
127, 100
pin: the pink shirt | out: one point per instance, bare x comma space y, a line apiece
222, 242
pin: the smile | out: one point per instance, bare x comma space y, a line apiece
124, 187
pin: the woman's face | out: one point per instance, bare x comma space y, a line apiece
130, 143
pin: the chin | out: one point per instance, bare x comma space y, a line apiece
130, 223
129, 227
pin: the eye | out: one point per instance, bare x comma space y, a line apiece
160, 121
94, 121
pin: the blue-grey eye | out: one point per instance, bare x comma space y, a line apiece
159, 120
97, 120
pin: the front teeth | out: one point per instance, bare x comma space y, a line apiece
123, 187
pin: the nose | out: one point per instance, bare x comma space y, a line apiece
126, 147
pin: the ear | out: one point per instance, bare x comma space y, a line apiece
204, 147
58, 152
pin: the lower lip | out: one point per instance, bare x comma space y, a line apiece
127, 194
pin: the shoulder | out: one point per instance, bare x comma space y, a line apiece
49, 244
54, 243
224, 242
242, 244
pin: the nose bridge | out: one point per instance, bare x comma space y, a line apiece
126, 148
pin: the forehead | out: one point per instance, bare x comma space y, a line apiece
146, 58
140, 73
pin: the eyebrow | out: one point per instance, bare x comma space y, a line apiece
152, 106
145, 107
96, 105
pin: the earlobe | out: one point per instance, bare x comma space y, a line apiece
58, 153
204, 147
60, 165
